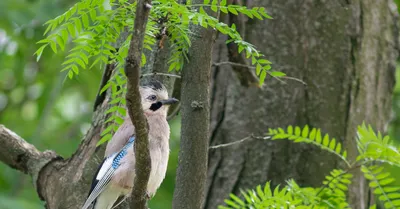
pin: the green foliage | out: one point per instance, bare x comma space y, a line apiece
92, 28
35, 102
95, 29
314, 137
380, 182
374, 147
330, 195
375, 152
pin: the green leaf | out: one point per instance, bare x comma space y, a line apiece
85, 20
325, 141
71, 29
224, 10
214, 6
232, 10
105, 87
237, 200
386, 181
262, 77
318, 137
231, 203
121, 111
332, 144
93, 14
104, 139
338, 148
305, 132
264, 61
70, 74
143, 59
53, 46
297, 131
241, 48
222, 3
39, 52
255, 13
78, 25
258, 69
313, 133
277, 74
290, 130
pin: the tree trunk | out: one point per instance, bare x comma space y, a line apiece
346, 53
191, 174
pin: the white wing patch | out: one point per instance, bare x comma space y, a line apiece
106, 165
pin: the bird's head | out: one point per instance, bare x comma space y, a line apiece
155, 100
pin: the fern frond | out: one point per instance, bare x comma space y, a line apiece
381, 183
262, 198
296, 134
334, 189
372, 146
257, 12
324, 197
338, 181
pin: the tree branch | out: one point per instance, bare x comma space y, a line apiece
162, 74
20, 155
239, 141
252, 67
133, 101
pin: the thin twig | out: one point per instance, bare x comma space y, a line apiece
295, 79
163, 74
252, 67
174, 113
232, 64
238, 142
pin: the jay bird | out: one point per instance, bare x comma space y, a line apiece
114, 178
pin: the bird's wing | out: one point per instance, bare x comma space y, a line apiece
105, 172
120, 137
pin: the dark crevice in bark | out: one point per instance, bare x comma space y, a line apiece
361, 18
219, 122
213, 179
237, 186
352, 76
246, 76
106, 77
215, 100
214, 133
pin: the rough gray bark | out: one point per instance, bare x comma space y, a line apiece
345, 51
195, 89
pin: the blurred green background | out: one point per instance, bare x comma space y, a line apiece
43, 106
39, 103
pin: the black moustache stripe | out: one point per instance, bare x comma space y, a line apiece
155, 106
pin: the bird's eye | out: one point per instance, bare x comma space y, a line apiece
152, 98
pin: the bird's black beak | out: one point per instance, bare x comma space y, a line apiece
169, 101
